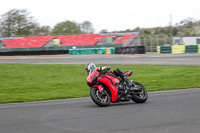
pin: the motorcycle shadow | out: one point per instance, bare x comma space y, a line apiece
114, 104
122, 103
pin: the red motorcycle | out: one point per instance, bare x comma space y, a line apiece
107, 88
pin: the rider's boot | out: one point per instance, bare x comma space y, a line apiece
128, 82
127, 88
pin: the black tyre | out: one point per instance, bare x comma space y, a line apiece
101, 99
141, 95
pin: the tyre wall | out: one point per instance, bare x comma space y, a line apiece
178, 49
86, 51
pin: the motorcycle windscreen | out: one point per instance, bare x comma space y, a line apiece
92, 77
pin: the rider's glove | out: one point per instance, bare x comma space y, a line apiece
104, 70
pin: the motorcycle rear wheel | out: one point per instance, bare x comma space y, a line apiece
140, 96
102, 99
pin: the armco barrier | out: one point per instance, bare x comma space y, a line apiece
178, 49
130, 50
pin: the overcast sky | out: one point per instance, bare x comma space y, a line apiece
107, 14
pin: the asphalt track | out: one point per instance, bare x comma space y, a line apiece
164, 112
163, 59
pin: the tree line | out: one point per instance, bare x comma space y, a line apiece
18, 22
186, 27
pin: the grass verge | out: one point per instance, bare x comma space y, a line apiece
29, 82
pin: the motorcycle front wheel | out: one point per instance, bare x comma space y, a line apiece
102, 99
139, 96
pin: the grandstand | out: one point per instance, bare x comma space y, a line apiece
66, 40
61, 44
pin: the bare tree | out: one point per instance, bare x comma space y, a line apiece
189, 26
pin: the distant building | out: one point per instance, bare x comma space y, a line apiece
186, 40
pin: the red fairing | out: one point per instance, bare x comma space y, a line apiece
92, 76
109, 79
112, 83
99, 87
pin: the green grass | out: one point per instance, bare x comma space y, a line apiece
28, 82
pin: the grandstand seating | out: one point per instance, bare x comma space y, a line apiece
26, 42
66, 40
124, 38
85, 39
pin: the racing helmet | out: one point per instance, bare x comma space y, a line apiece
89, 67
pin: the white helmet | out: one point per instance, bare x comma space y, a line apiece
89, 67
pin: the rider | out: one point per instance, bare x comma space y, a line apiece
105, 69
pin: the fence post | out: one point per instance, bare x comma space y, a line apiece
164, 40
157, 43
151, 43
145, 44
171, 40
